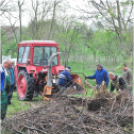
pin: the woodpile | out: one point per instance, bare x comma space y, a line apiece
71, 115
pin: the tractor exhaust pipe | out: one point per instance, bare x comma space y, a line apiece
49, 75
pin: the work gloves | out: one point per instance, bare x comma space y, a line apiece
74, 87
86, 77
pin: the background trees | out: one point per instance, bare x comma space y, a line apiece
107, 39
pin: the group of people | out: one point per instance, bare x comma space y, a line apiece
7, 85
120, 83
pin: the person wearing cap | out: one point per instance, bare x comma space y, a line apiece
100, 75
127, 75
65, 79
118, 83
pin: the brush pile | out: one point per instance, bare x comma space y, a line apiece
70, 115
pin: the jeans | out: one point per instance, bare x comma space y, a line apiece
130, 91
98, 87
62, 89
10, 96
9, 99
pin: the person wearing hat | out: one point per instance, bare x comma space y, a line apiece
100, 75
65, 79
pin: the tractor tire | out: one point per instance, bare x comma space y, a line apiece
25, 86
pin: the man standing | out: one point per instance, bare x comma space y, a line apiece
127, 75
12, 83
5, 88
117, 82
100, 75
65, 79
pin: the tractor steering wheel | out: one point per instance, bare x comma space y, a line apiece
43, 62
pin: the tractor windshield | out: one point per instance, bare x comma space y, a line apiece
41, 56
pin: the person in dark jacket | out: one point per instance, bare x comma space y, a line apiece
100, 75
117, 82
12, 83
127, 75
65, 79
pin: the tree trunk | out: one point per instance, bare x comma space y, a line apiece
0, 54
68, 55
115, 59
20, 19
133, 53
94, 56
99, 58
52, 21
106, 59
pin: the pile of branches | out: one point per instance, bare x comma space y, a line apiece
71, 115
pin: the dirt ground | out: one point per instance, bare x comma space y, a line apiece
104, 114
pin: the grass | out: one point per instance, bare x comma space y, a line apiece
89, 69
19, 106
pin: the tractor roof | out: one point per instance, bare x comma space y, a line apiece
36, 42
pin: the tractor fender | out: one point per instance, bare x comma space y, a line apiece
31, 69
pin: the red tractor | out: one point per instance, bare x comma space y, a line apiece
38, 66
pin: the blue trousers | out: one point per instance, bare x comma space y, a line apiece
62, 89
10, 96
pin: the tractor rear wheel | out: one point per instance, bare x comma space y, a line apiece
25, 86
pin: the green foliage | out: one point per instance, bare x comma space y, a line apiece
119, 67
74, 38
10, 49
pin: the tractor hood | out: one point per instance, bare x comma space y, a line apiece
37, 69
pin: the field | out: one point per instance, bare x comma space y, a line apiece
19, 106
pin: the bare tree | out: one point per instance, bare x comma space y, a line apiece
117, 15
4, 8
20, 4
55, 4
38, 12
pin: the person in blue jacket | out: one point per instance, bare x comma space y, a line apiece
65, 79
100, 75
2, 78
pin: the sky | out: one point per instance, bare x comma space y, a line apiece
74, 4
75, 9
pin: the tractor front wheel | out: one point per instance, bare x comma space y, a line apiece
25, 86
